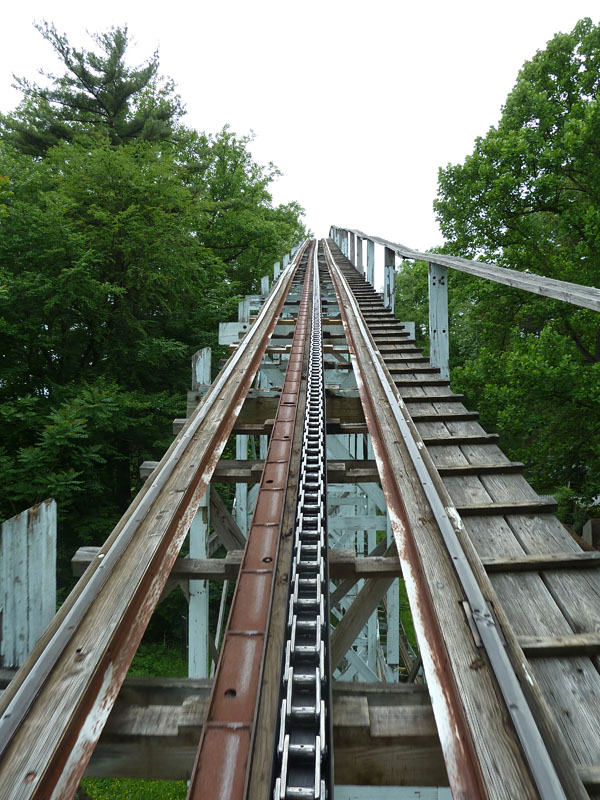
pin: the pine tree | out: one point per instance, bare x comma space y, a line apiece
98, 92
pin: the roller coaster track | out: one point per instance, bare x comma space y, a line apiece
269, 720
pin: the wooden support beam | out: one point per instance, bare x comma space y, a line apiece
536, 562
480, 469
571, 644
250, 471
27, 580
389, 289
370, 262
224, 524
342, 564
384, 734
539, 506
590, 775
356, 617
438, 318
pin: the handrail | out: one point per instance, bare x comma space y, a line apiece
574, 293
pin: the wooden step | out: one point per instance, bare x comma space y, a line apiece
456, 470
537, 562
539, 506
453, 441
422, 382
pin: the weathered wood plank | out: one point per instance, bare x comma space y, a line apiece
455, 440
384, 734
571, 686
452, 470
27, 580
536, 562
564, 645
539, 506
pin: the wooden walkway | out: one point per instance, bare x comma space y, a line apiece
540, 574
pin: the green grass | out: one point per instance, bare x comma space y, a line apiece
104, 789
158, 660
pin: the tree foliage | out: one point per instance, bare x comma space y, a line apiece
528, 198
119, 255
97, 90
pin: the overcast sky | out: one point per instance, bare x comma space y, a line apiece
358, 104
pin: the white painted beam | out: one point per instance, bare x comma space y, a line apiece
438, 318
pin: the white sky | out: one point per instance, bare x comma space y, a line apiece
358, 104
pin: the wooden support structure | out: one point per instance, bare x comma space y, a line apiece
198, 634
344, 564
389, 283
541, 588
438, 319
370, 262
383, 733
27, 580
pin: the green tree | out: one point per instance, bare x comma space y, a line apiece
106, 293
119, 255
98, 91
238, 221
528, 197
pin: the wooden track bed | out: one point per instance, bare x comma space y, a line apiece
507, 521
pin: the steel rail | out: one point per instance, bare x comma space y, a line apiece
537, 757
221, 769
574, 293
90, 643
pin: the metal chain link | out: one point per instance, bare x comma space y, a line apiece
303, 757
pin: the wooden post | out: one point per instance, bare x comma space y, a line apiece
198, 609
201, 379
244, 311
28, 579
438, 319
371, 262
352, 248
359, 255
393, 616
264, 285
198, 590
241, 489
276, 270
389, 289
286, 260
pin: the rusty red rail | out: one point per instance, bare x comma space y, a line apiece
222, 761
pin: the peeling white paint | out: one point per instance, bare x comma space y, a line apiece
455, 517
88, 736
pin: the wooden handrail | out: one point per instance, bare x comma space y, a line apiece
574, 293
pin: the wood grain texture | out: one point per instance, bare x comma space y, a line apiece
494, 537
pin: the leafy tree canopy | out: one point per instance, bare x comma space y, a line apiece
528, 197
98, 90
120, 251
